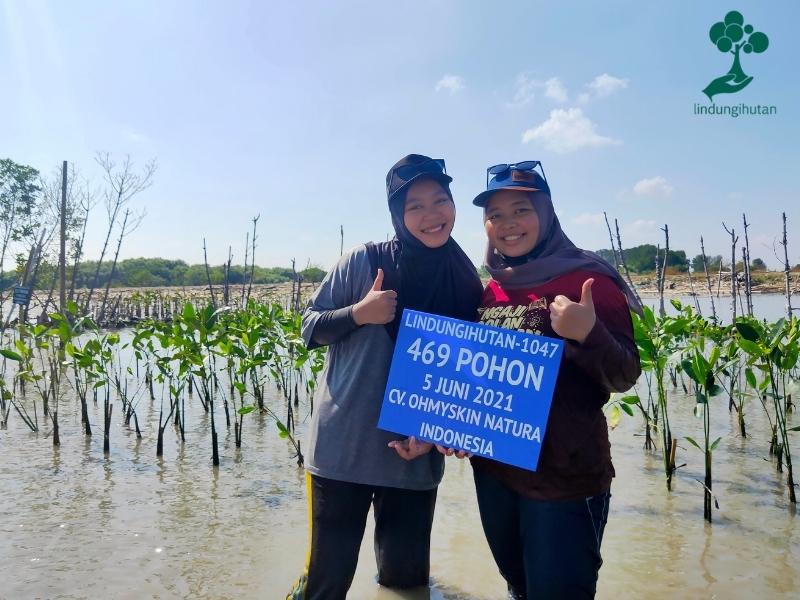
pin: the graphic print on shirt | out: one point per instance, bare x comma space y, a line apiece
527, 318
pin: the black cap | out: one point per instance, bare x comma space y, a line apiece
411, 168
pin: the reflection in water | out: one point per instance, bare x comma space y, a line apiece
76, 524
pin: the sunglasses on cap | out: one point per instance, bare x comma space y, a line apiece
402, 176
504, 170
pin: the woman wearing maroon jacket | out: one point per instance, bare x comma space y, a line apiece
544, 528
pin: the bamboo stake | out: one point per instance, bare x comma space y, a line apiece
786, 271
691, 286
208, 276
624, 264
748, 285
708, 280
734, 239
62, 253
611, 239
659, 281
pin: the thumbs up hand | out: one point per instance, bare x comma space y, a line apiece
378, 306
574, 320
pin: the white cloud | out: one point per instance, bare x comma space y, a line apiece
555, 90
589, 219
567, 131
605, 85
525, 90
451, 83
654, 187
602, 86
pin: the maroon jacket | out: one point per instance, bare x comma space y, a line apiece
575, 461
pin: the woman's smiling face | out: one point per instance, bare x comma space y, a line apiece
511, 222
429, 213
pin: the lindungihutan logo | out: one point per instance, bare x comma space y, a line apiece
732, 36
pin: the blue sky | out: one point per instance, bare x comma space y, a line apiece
295, 111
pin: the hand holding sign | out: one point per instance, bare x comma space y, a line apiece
574, 320
378, 306
453, 452
410, 448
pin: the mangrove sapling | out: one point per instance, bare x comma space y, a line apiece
203, 325
168, 353
704, 373
49, 342
31, 340
162, 423
244, 343
656, 339
270, 340
649, 412
105, 367
22, 356
82, 365
5, 398
773, 349
55, 367
618, 404
733, 372
129, 399
5, 394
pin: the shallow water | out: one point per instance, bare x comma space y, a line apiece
74, 524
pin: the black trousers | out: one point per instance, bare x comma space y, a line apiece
337, 518
544, 550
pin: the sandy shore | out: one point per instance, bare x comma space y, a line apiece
763, 282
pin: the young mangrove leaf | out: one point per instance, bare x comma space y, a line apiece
693, 443
10, 354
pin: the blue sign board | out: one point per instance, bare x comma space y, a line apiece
473, 387
22, 295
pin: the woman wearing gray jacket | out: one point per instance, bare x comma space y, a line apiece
351, 464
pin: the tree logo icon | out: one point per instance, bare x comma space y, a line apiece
733, 36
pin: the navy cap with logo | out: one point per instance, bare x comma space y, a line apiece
412, 168
521, 176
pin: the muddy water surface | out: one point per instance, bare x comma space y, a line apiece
75, 524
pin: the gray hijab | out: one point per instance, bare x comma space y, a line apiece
553, 255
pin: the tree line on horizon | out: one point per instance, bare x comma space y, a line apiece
160, 272
641, 259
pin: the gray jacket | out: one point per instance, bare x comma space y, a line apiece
345, 443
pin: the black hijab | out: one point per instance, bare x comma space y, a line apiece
442, 280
